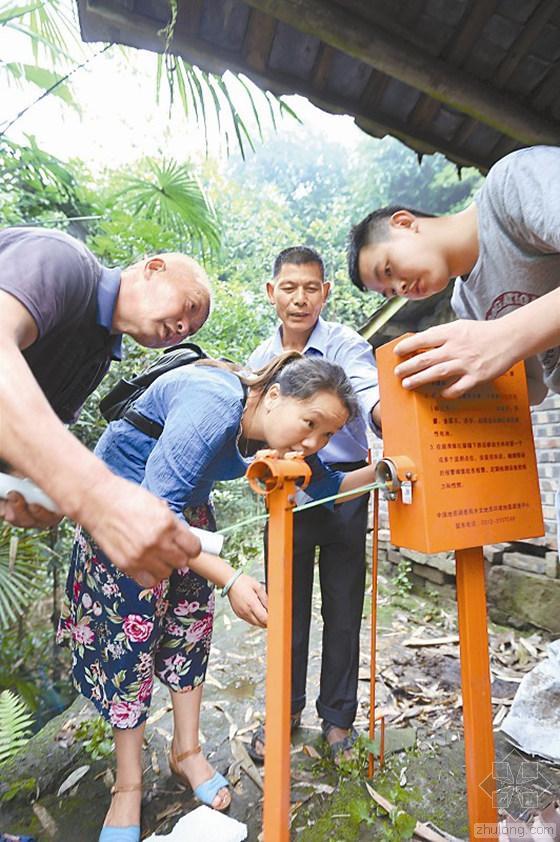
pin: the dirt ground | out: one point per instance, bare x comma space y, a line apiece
418, 692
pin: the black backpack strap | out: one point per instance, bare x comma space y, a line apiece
152, 428
145, 425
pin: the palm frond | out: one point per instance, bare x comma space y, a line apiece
170, 194
212, 99
46, 24
43, 78
9, 13
15, 724
22, 573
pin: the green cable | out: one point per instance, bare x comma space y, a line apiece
241, 523
304, 506
360, 490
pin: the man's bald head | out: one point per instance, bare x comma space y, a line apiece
163, 299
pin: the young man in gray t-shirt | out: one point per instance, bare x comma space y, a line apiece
503, 251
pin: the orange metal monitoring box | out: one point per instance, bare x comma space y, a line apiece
475, 474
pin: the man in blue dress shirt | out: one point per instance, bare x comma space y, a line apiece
299, 292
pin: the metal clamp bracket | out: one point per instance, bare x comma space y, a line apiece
395, 474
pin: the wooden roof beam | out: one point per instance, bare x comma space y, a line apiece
189, 15
258, 39
322, 67
548, 89
473, 22
373, 92
529, 34
383, 51
128, 27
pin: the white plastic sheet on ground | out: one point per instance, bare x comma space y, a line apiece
205, 825
533, 723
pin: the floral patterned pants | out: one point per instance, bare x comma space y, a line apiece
122, 635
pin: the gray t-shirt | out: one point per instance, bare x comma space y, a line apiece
519, 248
56, 278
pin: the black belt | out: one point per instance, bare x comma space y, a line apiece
145, 425
347, 466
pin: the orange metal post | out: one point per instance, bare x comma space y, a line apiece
476, 688
475, 483
277, 479
373, 631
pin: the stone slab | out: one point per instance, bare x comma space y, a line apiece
524, 598
547, 566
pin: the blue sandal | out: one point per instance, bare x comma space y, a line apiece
206, 791
131, 833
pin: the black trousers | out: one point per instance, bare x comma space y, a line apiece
340, 536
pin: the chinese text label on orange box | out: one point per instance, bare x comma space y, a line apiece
474, 458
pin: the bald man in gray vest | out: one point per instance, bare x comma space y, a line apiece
62, 317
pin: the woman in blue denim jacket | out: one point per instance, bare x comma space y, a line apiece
123, 635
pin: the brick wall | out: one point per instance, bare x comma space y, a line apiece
546, 429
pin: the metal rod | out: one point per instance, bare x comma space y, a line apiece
373, 631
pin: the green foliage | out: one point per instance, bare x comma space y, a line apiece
36, 187
121, 238
169, 194
44, 78
401, 581
402, 824
20, 787
51, 35
97, 737
22, 572
361, 811
15, 724
234, 502
388, 173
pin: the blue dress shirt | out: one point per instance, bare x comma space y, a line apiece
200, 409
342, 345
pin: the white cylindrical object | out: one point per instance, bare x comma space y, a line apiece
210, 542
27, 488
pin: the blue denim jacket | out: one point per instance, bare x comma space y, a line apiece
200, 409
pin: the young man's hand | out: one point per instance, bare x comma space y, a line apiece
463, 353
249, 600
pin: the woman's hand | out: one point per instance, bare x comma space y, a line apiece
249, 600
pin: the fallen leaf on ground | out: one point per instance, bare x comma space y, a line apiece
72, 779
47, 822
431, 641
241, 754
